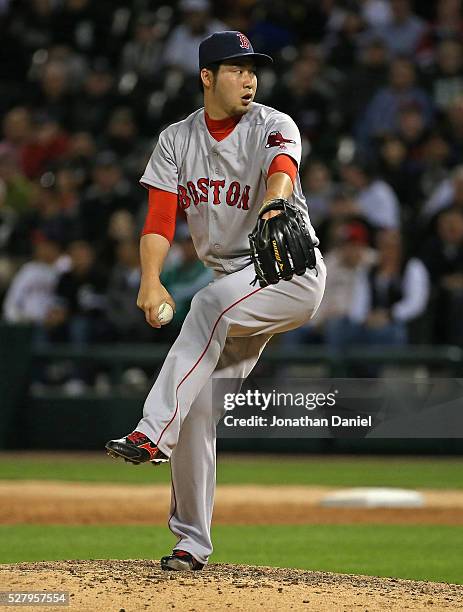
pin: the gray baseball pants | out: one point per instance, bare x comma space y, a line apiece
223, 335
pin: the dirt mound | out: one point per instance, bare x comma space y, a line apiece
132, 586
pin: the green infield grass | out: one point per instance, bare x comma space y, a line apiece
444, 473
424, 552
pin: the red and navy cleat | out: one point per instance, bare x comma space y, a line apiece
136, 448
181, 560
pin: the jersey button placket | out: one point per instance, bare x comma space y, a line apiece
213, 225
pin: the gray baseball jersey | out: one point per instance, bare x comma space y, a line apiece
220, 186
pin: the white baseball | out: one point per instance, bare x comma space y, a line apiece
165, 313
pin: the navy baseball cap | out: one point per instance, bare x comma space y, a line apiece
229, 45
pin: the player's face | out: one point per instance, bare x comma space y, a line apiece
235, 88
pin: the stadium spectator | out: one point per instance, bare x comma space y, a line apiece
52, 96
411, 129
142, 54
343, 207
381, 115
30, 297
181, 51
27, 28
84, 25
46, 216
67, 181
17, 188
122, 137
269, 27
305, 96
443, 256
448, 23
362, 81
318, 187
81, 154
376, 13
7, 224
414, 172
376, 200
411, 136
400, 173
75, 65
127, 319
445, 79
332, 17
351, 255
79, 312
389, 296
109, 191
92, 107
453, 130
121, 228
17, 131
447, 194
436, 163
402, 34
49, 145
342, 46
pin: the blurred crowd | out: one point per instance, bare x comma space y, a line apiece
375, 86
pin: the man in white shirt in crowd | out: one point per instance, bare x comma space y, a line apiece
30, 297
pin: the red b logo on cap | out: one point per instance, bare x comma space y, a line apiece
244, 42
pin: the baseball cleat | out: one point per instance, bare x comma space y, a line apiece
136, 448
180, 560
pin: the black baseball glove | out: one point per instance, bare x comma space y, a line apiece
281, 246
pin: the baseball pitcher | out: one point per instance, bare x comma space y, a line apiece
232, 166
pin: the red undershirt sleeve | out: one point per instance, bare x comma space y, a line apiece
162, 213
283, 163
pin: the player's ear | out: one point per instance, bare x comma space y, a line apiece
207, 78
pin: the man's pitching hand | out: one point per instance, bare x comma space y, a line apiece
150, 296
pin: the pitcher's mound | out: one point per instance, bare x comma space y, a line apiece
108, 585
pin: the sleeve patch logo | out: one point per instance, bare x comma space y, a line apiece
276, 139
244, 41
